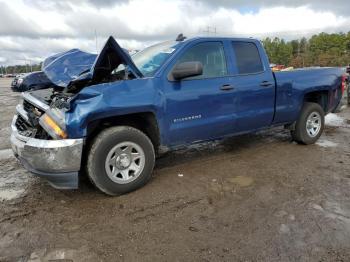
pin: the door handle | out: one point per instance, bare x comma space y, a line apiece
266, 83
226, 87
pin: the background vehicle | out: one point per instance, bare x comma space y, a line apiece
118, 113
30, 81
9, 75
276, 68
17, 80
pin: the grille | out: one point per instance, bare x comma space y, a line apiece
31, 129
27, 106
23, 127
21, 124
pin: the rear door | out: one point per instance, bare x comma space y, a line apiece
254, 86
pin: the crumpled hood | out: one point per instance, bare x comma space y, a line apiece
63, 68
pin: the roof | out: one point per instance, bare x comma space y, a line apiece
221, 38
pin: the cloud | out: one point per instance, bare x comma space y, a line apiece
341, 7
37, 28
65, 5
13, 24
31, 23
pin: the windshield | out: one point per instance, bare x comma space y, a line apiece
151, 58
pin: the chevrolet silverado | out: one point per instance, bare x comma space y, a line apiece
113, 114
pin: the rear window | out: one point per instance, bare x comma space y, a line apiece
247, 58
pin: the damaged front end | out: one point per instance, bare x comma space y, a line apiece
75, 69
39, 134
36, 143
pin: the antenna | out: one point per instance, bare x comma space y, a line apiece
180, 37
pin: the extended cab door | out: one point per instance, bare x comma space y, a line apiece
254, 86
199, 107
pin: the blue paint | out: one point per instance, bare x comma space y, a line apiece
64, 67
196, 110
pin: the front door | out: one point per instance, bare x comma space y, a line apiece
200, 108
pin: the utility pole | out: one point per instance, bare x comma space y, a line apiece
210, 30
96, 40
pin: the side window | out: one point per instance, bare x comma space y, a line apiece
247, 58
212, 57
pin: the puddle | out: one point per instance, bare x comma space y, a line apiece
333, 210
82, 254
242, 181
9, 194
13, 181
335, 120
326, 143
6, 154
284, 229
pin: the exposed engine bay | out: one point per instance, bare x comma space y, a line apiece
75, 69
37, 103
42, 114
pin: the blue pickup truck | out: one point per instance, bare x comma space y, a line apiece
113, 113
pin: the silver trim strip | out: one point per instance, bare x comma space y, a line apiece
33, 100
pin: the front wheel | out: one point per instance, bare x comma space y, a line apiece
309, 125
121, 159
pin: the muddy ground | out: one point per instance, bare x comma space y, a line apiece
257, 197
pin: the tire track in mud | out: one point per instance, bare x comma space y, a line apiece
157, 210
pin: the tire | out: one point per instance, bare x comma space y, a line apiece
130, 163
309, 134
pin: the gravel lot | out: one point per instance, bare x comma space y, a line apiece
257, 197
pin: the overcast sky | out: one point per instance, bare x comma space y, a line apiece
34, 29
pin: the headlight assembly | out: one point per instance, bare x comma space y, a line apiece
53, 123
19, 81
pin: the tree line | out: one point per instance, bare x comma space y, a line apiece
320, 50
17, 69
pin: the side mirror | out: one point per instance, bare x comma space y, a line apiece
187, 69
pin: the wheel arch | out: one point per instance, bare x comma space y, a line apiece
318, 97
143, 121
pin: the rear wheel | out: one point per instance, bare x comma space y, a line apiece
121, 159
309, 125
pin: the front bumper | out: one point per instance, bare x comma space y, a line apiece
59, 161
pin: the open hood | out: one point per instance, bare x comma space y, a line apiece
64, 67
75, 65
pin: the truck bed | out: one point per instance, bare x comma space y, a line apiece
291, 87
